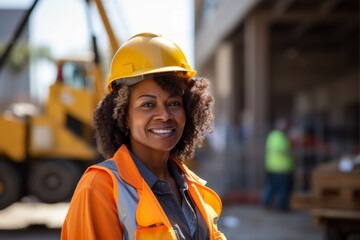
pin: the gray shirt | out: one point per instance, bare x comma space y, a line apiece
185, 217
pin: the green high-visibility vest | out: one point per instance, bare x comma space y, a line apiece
278, 157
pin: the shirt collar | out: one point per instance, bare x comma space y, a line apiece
178, 175
150, 177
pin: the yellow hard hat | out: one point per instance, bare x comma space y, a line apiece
145, 55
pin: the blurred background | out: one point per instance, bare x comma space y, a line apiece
265, 59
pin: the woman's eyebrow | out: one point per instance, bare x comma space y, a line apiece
152, 96
146, 95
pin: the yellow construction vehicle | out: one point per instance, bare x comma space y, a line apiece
44, 154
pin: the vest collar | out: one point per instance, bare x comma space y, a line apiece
192, 177
127, 168
130, 174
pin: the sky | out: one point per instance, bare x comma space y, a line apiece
61, 25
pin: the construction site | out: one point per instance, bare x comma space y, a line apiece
265, 59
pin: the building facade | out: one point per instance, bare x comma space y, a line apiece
267, 59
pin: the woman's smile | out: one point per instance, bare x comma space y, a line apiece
163, 132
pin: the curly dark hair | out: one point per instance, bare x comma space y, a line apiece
110, 116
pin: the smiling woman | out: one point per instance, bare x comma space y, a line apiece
155, 114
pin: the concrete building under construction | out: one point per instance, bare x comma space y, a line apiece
266, 59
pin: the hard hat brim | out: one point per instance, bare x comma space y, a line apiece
135, 78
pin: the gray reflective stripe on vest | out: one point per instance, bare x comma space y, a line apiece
127, 202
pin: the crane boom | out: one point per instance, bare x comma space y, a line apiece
112, 38
16, 35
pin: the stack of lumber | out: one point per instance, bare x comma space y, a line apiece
334, 200
331, 189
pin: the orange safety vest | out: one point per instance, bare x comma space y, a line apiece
139, 212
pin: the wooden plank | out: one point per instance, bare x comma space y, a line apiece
308, 201
341, 193
345, 220
333, 168
320, 180
336, 213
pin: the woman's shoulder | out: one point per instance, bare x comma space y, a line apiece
95, 178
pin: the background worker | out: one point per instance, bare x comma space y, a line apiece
148, 124
279, 166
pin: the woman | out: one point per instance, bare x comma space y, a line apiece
148, 124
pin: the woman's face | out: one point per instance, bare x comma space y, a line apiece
155, 118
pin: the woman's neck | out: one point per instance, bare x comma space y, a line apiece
155, 161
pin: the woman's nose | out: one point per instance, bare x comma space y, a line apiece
163, 113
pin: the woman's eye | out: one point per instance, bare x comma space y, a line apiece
175, 103
147, 105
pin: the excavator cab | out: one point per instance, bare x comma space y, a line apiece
73, 74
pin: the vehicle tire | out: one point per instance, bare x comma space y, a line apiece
54, 180
334, 234
10, 184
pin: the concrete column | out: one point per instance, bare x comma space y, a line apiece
256, 95
218, 162
224, 82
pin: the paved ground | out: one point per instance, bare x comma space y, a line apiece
32, 221
246, 222
31, 233
251, 222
